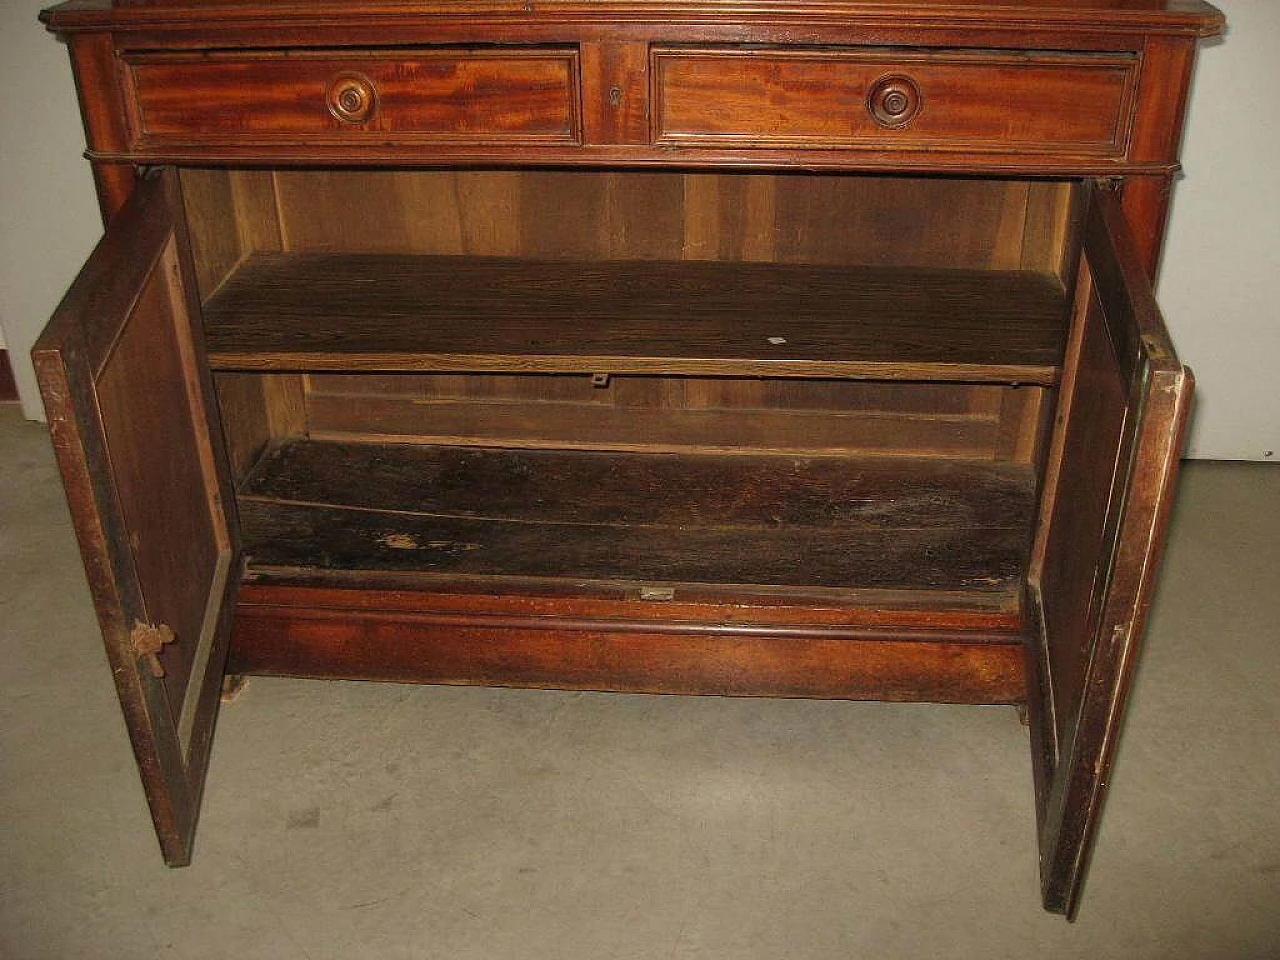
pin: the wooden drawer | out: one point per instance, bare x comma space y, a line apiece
983, 101
525, 96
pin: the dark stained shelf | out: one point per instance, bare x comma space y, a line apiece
420, 313
819, 523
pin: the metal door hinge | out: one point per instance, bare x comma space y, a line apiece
148, 641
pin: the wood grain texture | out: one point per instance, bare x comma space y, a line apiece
926, 558
98, 88
971, 616
329, 641
816, 522
819, 98
1106, 508
468, 95
666, 414
658, 429
420, 313
953, 21
698, 131
130, 407
243, 410
650, 215
669, 491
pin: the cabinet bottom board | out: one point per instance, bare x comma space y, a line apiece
790, 523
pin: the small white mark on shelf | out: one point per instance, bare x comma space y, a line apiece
777, 340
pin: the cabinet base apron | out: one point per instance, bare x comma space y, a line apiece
531, 640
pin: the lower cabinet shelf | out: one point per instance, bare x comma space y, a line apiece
765, 522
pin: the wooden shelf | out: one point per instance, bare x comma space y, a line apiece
823, 524
419, 313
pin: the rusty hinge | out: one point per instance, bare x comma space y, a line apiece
148, 641
1157, 347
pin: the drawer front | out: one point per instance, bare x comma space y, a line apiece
1076, 105
494, 95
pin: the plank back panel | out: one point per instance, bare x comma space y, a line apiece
673, 414
765, 217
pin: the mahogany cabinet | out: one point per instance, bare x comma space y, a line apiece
795, 349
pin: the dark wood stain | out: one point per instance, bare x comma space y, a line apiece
422, 313
829, 523
1106, 512
332, 643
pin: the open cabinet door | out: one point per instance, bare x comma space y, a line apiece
1117, 440
133, 422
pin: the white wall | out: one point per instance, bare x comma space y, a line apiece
48, 214
1219, 285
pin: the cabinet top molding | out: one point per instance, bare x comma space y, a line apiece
1193, 17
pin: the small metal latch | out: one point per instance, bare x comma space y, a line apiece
148, 641
599, 379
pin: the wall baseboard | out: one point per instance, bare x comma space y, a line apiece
8, 386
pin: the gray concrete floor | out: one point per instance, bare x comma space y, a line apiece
350, 820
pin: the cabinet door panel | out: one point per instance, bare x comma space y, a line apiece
1107, 499
129, 401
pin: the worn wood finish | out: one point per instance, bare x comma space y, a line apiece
1120, 433
646, 215
956, 101
98, 88
974, 616
303, 535
679, 181
477, 95
668, 491
130, 409
242, 408
676, 414
628, 33
230, 214
658, 429
1081, 22
477, 314
316, 635
720, 520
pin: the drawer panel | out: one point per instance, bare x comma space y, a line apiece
993, 101
494, 95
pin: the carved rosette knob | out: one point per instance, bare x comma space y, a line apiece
352, 97
894, 101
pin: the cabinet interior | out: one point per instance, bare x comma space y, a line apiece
805, 388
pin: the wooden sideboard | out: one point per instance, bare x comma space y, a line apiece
799, 348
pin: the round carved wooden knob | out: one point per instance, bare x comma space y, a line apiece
352, 97
894, 101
